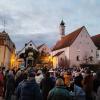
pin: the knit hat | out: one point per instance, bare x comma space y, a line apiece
31, 74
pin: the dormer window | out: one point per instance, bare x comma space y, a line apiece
30, 44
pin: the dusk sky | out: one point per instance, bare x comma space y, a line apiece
39, 20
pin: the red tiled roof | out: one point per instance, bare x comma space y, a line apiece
96, 40
67, 40
59, 53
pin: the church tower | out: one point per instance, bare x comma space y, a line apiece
62, 29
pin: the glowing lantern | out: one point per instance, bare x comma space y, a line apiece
12, 61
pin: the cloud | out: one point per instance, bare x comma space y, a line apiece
33, 19
37, 38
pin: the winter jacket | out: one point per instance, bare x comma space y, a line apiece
67, 79
46, 85
30, 91
59, 93
78, 93
88, 87
1, 84
10, 87
18, 90
88, 84
19, 79
78, 80
96, 84
98, 94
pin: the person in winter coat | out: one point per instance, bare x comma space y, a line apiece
78, 80
18, 89
96, 82
59, 92
5, 81
30, 89
1, 84
88, 85
67, 78
98, 94
39, 77
77, 92
46, 85
19, 77
10, 86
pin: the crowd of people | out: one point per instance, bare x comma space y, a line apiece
49, 84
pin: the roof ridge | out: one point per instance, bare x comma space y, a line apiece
26, 45
40, 45
76, 30
68, 39
57, 54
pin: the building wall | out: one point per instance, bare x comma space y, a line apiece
59, 59
5, 56
64, 56
83, 47
28, 45
45, 49
63, 61
1, 54
7, 47
98, 56
55, 62
20, 63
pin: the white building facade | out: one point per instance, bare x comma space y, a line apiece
77, 48
44, 48
96, 40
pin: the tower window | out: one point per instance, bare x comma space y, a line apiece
77, 58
